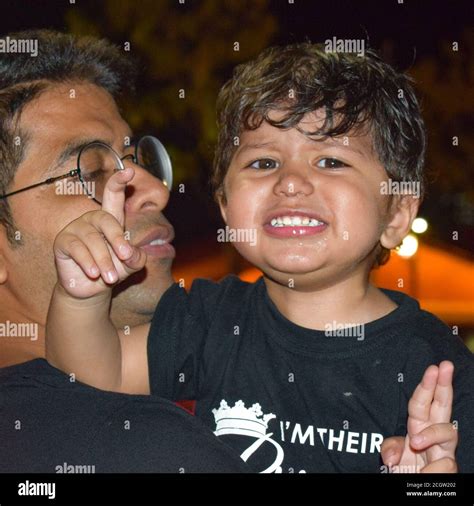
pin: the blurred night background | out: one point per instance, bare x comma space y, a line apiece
190, 46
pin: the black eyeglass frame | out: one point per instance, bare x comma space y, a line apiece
77, 172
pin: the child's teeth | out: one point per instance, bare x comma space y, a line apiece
295, 221
157, 242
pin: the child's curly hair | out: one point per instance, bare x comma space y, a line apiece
356, 92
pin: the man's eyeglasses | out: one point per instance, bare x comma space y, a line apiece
97, 161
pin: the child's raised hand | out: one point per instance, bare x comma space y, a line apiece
431, 442
91, 253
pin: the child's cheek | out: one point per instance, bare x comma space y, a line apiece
243, 205
358, 215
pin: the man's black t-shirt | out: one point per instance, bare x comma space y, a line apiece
49, 424
292, 399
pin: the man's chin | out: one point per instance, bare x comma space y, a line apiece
141, 292
138, 278
133, 305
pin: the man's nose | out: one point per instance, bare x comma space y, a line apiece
293, 180
145, 191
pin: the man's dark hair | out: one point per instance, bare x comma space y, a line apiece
61, 58
357, 93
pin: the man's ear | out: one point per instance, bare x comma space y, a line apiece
222, 201
403, 210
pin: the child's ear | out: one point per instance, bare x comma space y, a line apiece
222, 201
403, 210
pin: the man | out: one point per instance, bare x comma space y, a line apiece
39, 123
50, 107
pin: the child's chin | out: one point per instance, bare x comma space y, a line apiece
301, 267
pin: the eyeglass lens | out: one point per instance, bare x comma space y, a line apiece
98, 162
152, 156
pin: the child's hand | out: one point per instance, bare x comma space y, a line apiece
91, 252
429, 415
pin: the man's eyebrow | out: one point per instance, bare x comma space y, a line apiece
73, 148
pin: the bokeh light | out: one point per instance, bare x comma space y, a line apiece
408, 247
419, 225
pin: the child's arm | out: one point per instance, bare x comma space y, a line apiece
91, 256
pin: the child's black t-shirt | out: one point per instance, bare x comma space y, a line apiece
291, 399
50, 424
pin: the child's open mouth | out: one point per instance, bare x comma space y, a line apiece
294, 224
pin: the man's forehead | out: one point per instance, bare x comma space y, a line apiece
67, 111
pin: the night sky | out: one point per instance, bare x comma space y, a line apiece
414, 24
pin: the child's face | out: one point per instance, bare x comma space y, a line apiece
336, 183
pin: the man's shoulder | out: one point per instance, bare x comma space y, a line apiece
118, 432
25, 371
38, 389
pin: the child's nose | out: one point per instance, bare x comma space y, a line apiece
293, 181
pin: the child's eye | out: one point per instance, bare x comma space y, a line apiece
264, 163
331, 163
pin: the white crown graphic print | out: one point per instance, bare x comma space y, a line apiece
241, 420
